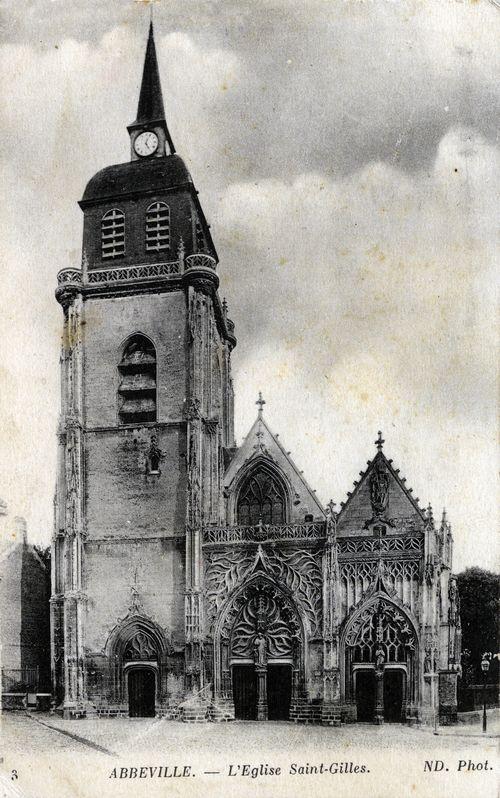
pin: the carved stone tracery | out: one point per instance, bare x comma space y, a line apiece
265, 627
381, 630
141, 647
298, 571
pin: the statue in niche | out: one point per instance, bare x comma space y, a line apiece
259, 649
154, 457
428, 663
454, 599
379, 657
379, 489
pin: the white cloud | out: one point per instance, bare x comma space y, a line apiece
376, 291
361, 290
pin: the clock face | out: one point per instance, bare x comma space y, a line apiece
146, 143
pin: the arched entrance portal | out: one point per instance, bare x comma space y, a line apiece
260, 652
380, 646
137, 650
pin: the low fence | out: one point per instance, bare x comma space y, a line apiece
470, 697
20, 680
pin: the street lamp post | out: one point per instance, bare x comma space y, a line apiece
485, 666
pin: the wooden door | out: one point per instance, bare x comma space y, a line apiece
279, 691
393, 695
365, 695
141, 693
245, 692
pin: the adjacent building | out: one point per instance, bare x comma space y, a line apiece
24, 602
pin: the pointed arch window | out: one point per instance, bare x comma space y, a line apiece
113, 234
261, 498
137, 389
157, 227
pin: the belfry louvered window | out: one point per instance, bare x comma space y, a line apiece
137, 389
157, 227
113, 234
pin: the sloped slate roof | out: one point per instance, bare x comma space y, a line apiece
153, 175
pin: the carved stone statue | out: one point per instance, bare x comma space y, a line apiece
379, 657
379, 488
259, 649
154, 456
454, 599
427, 660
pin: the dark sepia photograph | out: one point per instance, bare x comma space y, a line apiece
248, 398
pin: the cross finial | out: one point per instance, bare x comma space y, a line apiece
260, 402
149, 3
379, 443
135, 601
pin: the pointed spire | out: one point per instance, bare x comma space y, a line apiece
150, 108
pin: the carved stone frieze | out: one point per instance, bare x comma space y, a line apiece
297, 570
313, 531
392, 543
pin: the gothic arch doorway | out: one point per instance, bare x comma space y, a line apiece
379, 658
137, 651
259, 656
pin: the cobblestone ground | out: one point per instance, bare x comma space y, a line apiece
41, 732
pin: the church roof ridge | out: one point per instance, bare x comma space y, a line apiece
300, 474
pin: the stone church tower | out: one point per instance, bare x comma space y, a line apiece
191, 578
146, 419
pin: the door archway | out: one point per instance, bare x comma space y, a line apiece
379, 660
138, 643
259, 651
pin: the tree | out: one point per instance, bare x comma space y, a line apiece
479, 592
44, 553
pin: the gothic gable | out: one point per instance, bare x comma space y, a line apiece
380, 501
262, 453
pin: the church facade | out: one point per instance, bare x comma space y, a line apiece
191, 578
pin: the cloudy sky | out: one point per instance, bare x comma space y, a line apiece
346, 155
